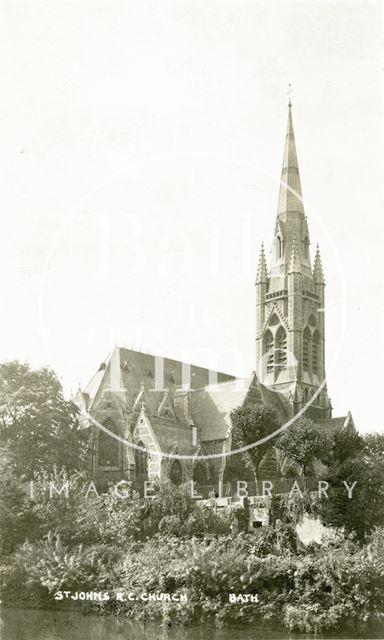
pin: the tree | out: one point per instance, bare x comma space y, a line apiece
303, 442
365, 508
18, 521
359, 460
374, 443
251, 423
346, 443
37, 424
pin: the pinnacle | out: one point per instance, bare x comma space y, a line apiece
294, 260
317, 268
262, 272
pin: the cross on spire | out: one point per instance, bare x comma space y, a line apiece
289, 95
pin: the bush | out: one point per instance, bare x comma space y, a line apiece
339, 589
336, 587
39, 569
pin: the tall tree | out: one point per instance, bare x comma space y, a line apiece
361, 509
37, 424
251, 423
18, 520
346, 443
303, 442
358, 466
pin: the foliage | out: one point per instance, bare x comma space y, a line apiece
304, 442
41, 568
17, 517
251, 423
172, 510
339, 589
114, 517
36, 423
336, 587
365, 509
57, 498
169, 543
374, 443
291, 508
346, 443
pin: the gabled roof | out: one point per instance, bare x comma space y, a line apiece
129, 376
339, 423
212, 406
127, 370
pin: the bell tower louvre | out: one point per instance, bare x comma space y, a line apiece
290, 333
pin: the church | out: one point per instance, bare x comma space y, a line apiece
171, 419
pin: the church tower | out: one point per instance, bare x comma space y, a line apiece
290, 301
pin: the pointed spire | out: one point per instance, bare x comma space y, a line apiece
348, 423
318, 275
262, 272
294, 260
290, 197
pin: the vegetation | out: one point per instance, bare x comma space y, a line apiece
36, 423
252, 423
364, 474
119, 541
304, 442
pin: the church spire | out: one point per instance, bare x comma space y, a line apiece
262, 272
290, 197
290, 304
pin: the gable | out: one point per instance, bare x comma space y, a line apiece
144, 432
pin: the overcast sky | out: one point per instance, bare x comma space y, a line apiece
141, 145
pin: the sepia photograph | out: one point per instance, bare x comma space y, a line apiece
191, 433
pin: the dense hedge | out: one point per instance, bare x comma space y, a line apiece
328, 589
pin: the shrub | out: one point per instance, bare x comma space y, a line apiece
39, 569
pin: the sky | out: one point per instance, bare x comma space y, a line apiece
141, 146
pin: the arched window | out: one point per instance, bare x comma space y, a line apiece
269, 350
306, 247
306, 348
108, 448
315, 351
141, 462
281, 348
279, 248
305, 395
176, 473
200, 473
